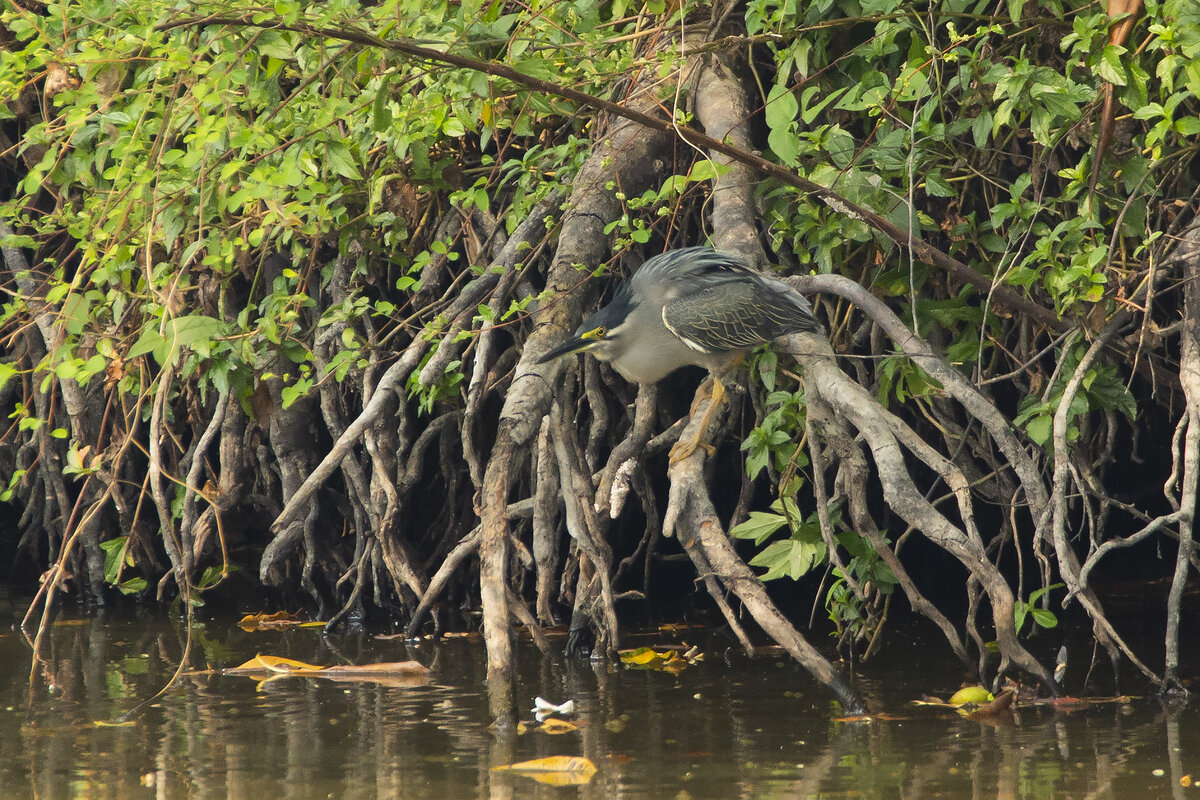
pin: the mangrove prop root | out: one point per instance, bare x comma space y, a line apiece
627, 157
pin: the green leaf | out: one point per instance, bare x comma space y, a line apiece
114, 556
1036, 595
781, 108
65, 370
536, 67
937, 186
1044, 617
1039, 429
757, 461
290, 394
1040, 125
785, 144
132, 586
768, 364
705, 170
1149, 111
191, 330
810, 112
790, 558
150, 341
1187, 126
13, 480
981, 127
275, 44
1109, 67
759, 526
213, 575
341, 161
195, 331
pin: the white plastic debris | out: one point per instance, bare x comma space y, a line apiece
543, 708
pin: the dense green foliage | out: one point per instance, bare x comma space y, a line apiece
217, 202
178, 160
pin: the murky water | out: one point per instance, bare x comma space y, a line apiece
728, 727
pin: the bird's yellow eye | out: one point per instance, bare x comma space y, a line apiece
595, 333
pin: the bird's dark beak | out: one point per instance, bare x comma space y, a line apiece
576, 344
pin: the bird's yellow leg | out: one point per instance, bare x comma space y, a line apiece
685, 447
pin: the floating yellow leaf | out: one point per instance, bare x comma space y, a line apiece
641, 656
261, 663
554, 770
667, 659
971, 694
974, 702
557, 726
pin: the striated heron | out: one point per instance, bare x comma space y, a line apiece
690, 306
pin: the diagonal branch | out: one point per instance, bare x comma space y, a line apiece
1005, 295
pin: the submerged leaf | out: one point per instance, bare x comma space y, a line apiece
411, 668
280, 620
392, 673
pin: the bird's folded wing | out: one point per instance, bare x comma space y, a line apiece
731, 316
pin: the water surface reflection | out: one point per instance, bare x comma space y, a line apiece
722, 729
